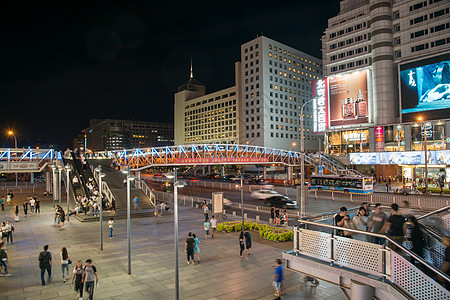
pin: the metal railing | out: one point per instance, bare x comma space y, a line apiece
105, 188
140, 184
370, 258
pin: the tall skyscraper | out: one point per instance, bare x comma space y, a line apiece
276, 82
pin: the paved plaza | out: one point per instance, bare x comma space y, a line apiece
222, 274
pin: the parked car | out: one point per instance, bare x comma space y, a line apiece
281, 201
257, 181
264, 194
404, 191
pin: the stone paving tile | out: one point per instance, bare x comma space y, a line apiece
222, 274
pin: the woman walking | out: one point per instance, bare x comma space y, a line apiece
196, 249
25, 207
77, 276
360, 220
416, 238
111, 228
248, 241
64, 262
4, 230
241, 242
17, 213
62, 216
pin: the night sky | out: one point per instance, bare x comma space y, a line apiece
65, 63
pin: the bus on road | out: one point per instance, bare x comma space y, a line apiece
346, 184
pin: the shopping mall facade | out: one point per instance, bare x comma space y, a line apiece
386, 90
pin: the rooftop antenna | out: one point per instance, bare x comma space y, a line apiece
191, 76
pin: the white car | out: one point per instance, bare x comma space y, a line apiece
264, 194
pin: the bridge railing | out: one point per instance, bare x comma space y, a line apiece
105, 188
369, 258
141, 184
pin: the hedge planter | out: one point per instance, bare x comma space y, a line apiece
268, 232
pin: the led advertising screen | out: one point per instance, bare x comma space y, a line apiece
364, 158
348, 99
425, 89
441, 157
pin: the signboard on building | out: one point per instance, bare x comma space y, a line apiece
440, 157
221, 160
348, 99
379, 138
21, 166
425, 89
320, 105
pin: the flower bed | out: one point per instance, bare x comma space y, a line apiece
268, 232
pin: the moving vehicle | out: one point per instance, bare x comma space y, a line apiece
346, 184
264, 194
280, 201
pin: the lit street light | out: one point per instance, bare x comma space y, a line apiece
68, 189
129, 179
176, 185
426, 153
100, 176
59, 186
302, 162
15, 146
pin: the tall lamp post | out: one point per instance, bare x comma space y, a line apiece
426, 152
54, 186
302, 162
68, 189
176, 185
100, 196
59, 186
129, 178
11, 133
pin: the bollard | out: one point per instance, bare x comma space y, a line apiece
245, 215
351, 197
332, 196
196, 205
270, 220
315, 194
224, 212
234, 214
257, 219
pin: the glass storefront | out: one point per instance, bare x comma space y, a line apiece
349, 141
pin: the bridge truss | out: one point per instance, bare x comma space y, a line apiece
25, 160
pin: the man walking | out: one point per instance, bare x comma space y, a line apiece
37, 205
45, 263
376, 223
3, 259
32, 204
136, 203
90, 278
278, 278
189, 248
2, 202
213, 223
205, 211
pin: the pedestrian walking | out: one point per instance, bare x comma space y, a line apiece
360, 221
272, 214
25, 207
9, 232
2, 203
45, 264
136, 203
4, 231
32, 205
78, 276
248, 241
241, 243
196, 249
113, 205
9, 198
205, 211
64, 262
62, 216
3, 260
16, 210
111, 228
206, 226
278, 278
189, 248
38, 206
213, 226
90, 278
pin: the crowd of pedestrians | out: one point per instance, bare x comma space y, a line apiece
85, 278
278, 216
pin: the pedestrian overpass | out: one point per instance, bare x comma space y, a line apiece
22, 160
218, 154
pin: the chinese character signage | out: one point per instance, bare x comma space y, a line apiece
379, 138
320, 105
19, 166
222, 160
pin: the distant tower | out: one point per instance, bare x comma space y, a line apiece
192, 84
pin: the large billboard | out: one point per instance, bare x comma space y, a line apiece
348, 99
440, 157
425, 89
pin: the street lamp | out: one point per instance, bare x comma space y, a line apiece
15, 146
68, 188
426, 152
100, 176
54, 187
59, 186
242, 197
302, 162
129, 179
176, 185
11, 133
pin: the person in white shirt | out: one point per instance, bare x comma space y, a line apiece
32, 204
213, 226
111, 228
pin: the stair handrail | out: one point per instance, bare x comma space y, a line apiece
141, 184
400, 246
439, 210
105, 188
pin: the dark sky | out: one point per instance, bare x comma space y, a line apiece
65, 63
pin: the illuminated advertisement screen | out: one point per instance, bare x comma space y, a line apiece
425, 89
348, 99
400, 158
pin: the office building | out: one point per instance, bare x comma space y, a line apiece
276, 82
111, 134
387, 63
207, 119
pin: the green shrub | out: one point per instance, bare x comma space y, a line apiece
268, 232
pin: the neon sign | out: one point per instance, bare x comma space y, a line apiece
320, 107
